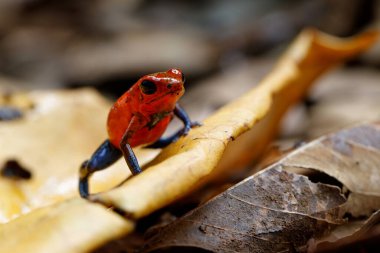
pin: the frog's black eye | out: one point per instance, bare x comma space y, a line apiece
148, 87
183, 77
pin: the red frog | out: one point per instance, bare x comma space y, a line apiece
140, 116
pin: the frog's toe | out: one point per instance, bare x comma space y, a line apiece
195, 124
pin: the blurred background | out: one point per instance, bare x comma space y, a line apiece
110, 44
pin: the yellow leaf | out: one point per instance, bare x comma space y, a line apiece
72, 226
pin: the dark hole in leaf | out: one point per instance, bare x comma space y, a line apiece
13, 170
350, 217
320, 177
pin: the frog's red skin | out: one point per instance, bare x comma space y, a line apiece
140, 116
145, 116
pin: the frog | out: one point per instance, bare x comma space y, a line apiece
139, 117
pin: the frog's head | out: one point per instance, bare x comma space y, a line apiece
161, 90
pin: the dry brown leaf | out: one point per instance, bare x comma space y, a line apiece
273, 211
352, 157
209, 149
279, 211
344, 235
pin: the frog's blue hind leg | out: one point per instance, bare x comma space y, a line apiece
102, 158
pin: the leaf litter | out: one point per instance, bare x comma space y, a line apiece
177, 171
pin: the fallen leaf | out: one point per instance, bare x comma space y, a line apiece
279, 211
342, 237
352, 157
254, 118
273, 211
64, 227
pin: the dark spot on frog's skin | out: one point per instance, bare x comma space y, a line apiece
155, 118
169, 86
13, 170
8, 113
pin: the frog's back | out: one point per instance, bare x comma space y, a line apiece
119, 118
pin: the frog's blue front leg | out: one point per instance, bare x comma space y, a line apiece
103, 157
188, 124
128, 153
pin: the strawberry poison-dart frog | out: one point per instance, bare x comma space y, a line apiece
140, 116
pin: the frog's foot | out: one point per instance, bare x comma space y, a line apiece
83, 180
195, 124
186, 129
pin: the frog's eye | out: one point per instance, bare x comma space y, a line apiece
148, 87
